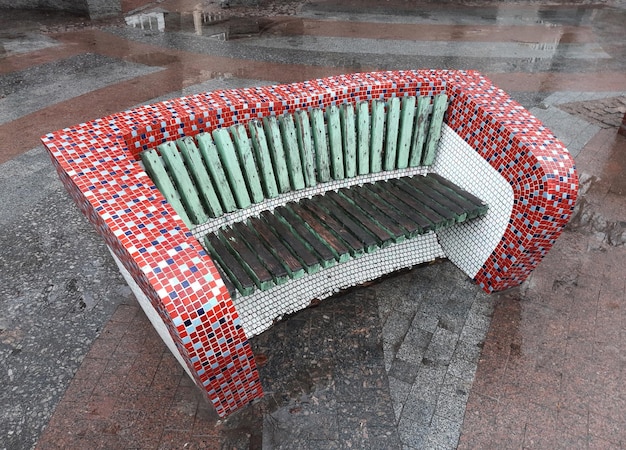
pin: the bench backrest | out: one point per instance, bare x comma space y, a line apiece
232, 168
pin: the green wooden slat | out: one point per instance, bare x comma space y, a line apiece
277, 152
231, 266
366, 221
247, 258
377, 137
226, 150
432, 199
374, 214
366, 239
318, 129
185, 187
290, 144
363, 137
214, 165
407, 116
386, 196
277, 246
274, 266
334, 141
157, 172
375, 201
480, 207
317, 234
325, 219
264, 160
348, 134
289, 237
391, 133
439, 219
434, 131
193, 160
247, 162
419, 131
305, 229
305, 143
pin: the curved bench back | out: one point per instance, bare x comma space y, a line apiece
211, 174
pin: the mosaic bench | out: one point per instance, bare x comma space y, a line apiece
488, 146
280, 200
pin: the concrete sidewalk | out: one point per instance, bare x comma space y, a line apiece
422, 359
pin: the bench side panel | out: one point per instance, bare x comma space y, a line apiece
531, 159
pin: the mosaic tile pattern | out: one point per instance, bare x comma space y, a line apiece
97, 162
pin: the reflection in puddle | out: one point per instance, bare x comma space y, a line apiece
149, 21
211, 24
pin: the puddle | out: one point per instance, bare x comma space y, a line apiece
212, 24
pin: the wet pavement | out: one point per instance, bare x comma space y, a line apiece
422, 359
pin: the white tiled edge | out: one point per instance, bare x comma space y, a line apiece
469, 244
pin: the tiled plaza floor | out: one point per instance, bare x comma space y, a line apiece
421, 359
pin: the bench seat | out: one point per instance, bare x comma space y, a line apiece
306, 236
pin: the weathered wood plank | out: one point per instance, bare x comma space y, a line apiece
327, 245
434, 131
195, 165
322, 159
231, 266
277, 247
366, 222
420, 183
377, 136
185, 187
290, 144
263, 157
247, 162
305, 143
405, 135
214, 165
421, 192
379, 217
305, 229
156, 170
391, 133
279, 272
420, 205
420, 130
470, 209
348, 134
383, 191
366, 240
398, 224
248, 259
229, 159
334, 140
275, 141
355, 246
478, 203
290, 238
363, 137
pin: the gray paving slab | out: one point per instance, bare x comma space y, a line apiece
573, 131
32, 89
